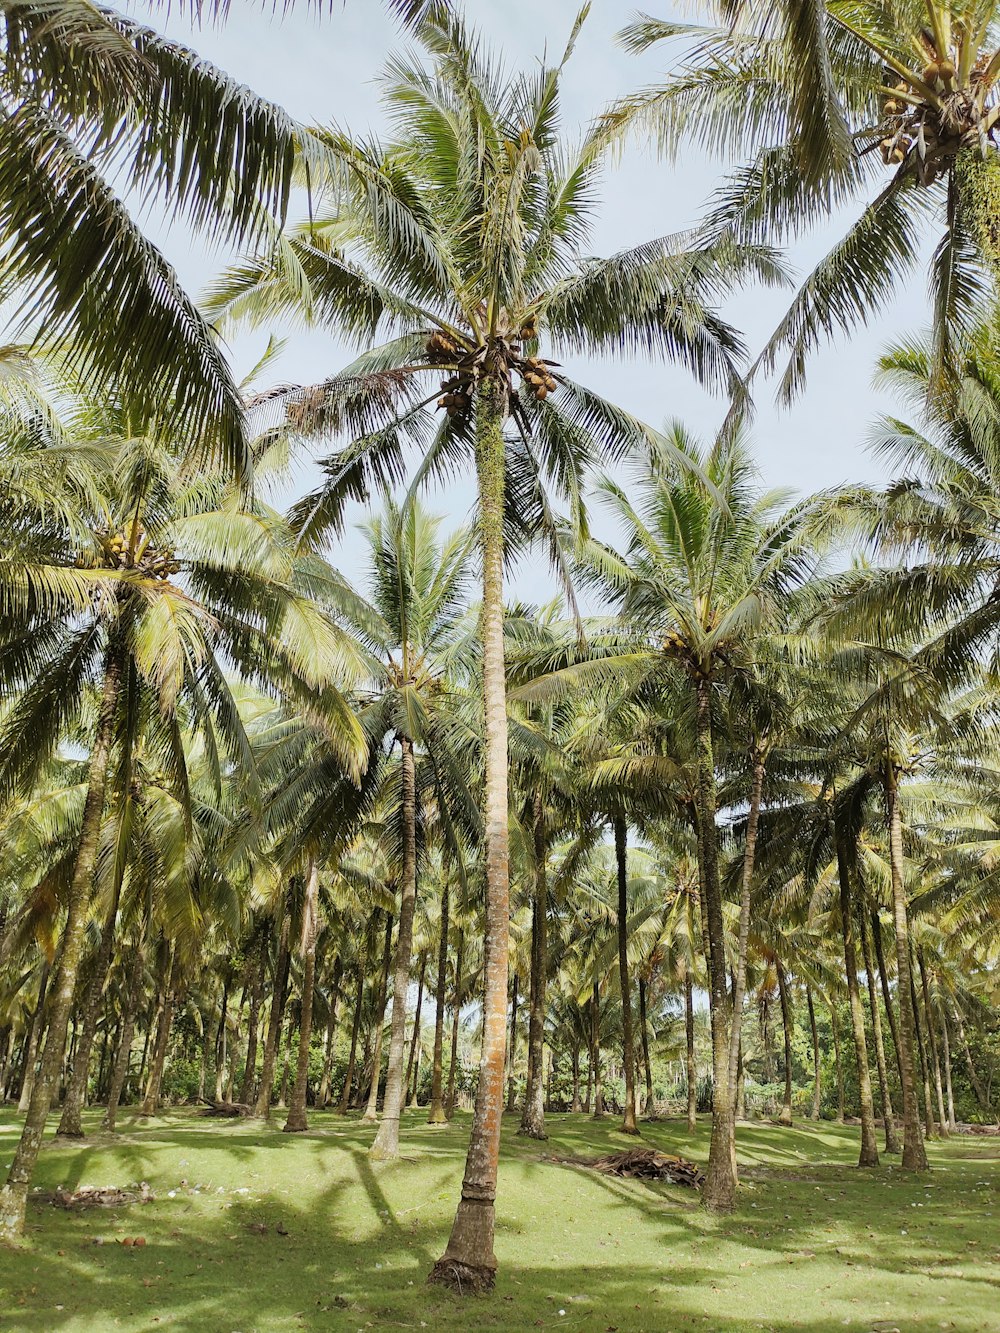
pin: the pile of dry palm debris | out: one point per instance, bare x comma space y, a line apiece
642, 1164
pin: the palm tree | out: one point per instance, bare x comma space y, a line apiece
892, 111
463, 237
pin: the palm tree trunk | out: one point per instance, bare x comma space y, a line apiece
455, 1021
746, 881
785, 1116
883, 976
629, 1125
297, 1120
436, 1115
323, 1092
371, 1108
982, 1096
595, 1037
932, 1043
533, 1117
817, 1086
258, 964
469, 1262
835, 1026
575, 1057
923, 1061
869, 1147
414, 1056
151, 1098
512, 1048
220, 1045
386, 1145
648, 1107
32, 1043
120, 1072
262, 1106
692, 1072
719, 1193
914, 1153
892, 1144
352, 1059
946, 1054
14, 1194
70, 1122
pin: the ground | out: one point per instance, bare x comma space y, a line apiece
255, 1231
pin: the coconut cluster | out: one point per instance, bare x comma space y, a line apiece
503, 354
119, 554
934, 132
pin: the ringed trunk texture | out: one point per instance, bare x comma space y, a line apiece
869, 1147
262, 1107
14, 1194
785, 1116
629, 1125
371, 1109
914, 1152
892, 1144
297, 1120
533, 1117
436, 1115
719, 1193
386, 1145
469, 1262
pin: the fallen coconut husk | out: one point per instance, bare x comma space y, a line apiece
96, 1196
226, 1110
641, 1164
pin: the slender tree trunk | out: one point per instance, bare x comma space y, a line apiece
817, 1084
982, 1096
220, 1044
590, 1079
436, 1115
892, 1144
595, 1037
629, 1125
469, 1262
32, 1043
692, 1072
386, 1145
575, 1104
785, 1116
120, 1071
648, 1108
869, 1146
922, 1057
14, 1194
890, 1009
371, 1109
71, 1122
533, 1117
258, 967
914, 1153
946, 1053
932, 1044
455, 1021
512, 1048
758, 761
835, 1025
719, 1193
741, 1100
151, 1099
352, 1059
414, 1056
323, 1092
297, 1119
262, 1107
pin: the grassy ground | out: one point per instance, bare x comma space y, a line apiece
815, 1244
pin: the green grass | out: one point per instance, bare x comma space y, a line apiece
814, 1245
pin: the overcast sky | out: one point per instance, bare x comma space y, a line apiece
323, 67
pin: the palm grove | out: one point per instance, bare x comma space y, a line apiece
279, 837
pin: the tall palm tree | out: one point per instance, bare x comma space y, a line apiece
463, 237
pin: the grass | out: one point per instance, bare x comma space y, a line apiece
815, 1244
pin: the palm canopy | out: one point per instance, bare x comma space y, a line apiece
459, 246
894, 109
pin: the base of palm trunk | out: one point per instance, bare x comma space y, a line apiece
892, 1145
629, 1126
785, 1118
75, 1132
462, 1278
385, 1148
367, 1119
868, 1158
531, 1132
295, 1125
13, 1201
436, 1116
914, 1157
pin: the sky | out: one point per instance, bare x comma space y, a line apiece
322, 64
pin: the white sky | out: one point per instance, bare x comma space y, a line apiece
323, 66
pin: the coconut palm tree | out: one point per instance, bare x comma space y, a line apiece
892, 112
462, 238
